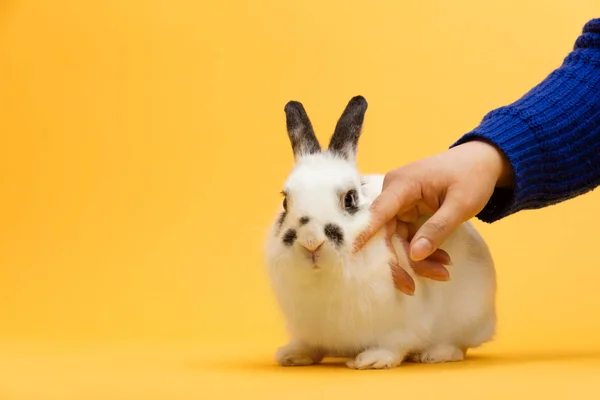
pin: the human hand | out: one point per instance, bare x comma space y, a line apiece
399, 234
451, 187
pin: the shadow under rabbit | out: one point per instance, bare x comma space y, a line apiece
472, 361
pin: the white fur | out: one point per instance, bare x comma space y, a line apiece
349, 307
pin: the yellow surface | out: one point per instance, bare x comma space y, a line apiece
142, 152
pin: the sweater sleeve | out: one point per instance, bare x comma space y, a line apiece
551, 135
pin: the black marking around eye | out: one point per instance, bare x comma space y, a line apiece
335, 234
289, 237
304, 220
351, 201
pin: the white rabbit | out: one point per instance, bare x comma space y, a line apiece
339, 305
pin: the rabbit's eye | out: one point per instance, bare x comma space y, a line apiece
285, 204
350, 201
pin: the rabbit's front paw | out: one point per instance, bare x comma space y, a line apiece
295, 355
376, 359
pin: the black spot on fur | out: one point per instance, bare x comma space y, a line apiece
300, 130
335, 234
304, 220
289, 237
344, 140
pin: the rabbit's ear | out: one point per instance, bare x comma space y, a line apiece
348, 129
300, 130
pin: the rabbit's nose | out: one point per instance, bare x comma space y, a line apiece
312, 245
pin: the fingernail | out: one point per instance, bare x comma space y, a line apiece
406, 289
400, 284
421, 249
442, 258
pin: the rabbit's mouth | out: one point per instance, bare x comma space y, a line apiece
314, 262
312, 255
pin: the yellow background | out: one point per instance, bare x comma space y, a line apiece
142, 152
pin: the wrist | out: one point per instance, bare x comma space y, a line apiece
495, 161
505, 173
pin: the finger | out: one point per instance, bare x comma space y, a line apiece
430, 268
440, 256
391, 227
409, 216
391, 250
402, 280
393, 200
383, 210
437, 228
402, 230
412, 229
407, 231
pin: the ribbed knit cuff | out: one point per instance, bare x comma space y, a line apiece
511, 135
590, 35
551, 135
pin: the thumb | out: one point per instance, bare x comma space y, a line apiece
438, 227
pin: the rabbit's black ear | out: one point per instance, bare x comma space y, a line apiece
300, 130
348, 129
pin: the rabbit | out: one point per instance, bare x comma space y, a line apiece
336, 304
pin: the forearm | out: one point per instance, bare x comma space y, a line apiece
551, 136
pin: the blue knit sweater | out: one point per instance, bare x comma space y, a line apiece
551, 136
